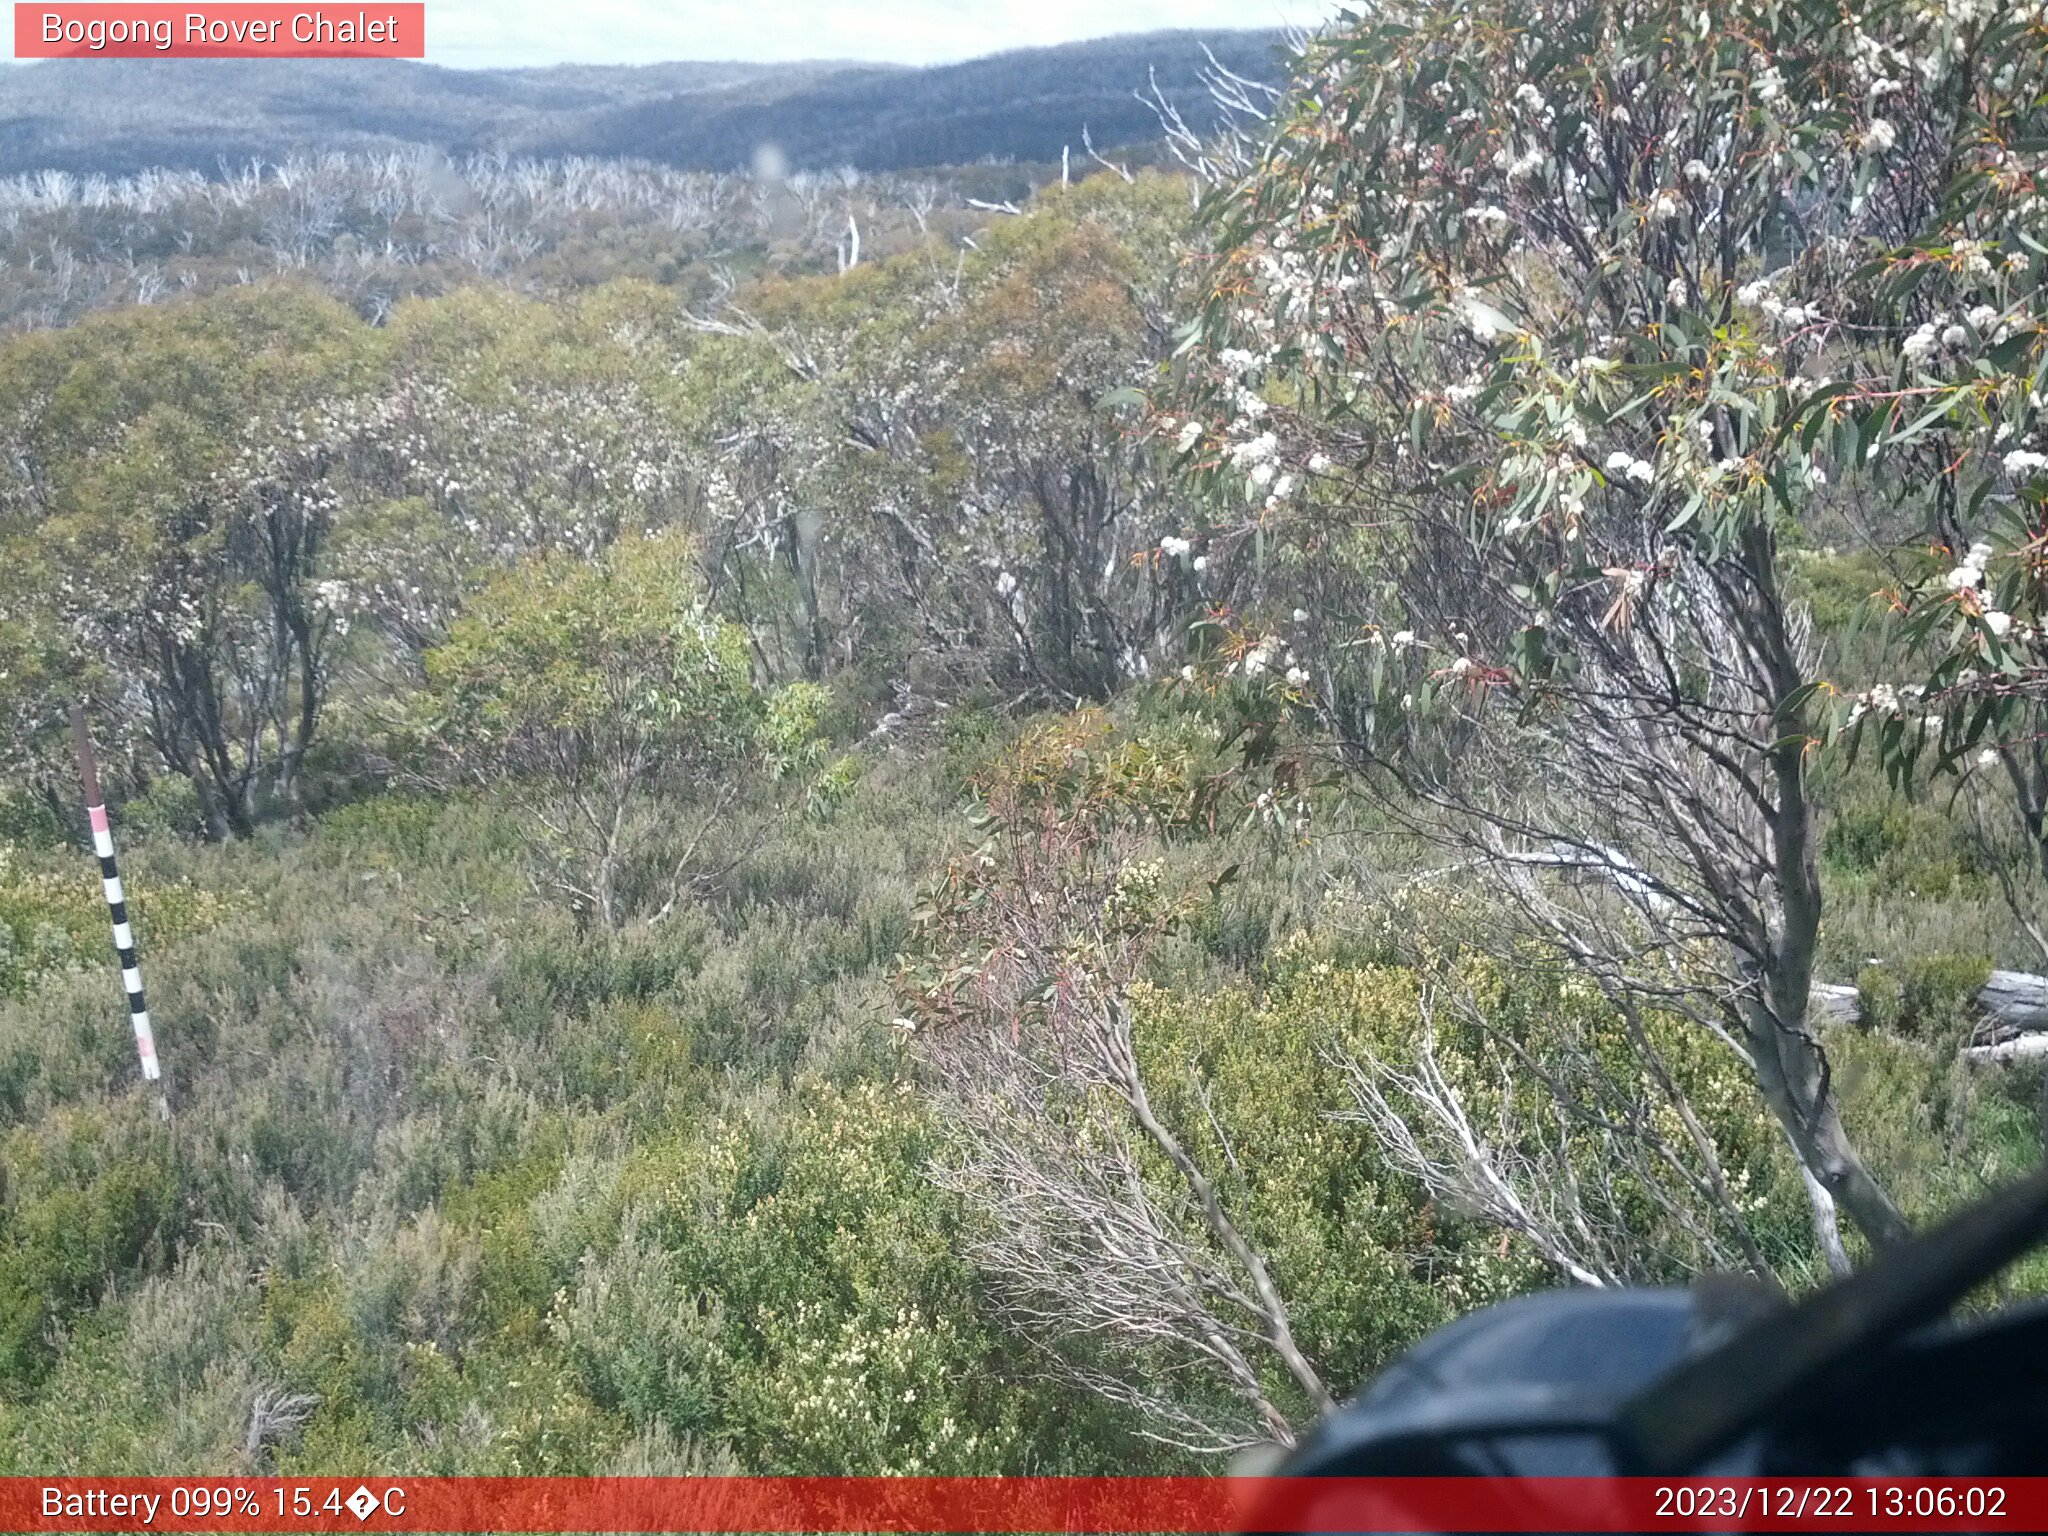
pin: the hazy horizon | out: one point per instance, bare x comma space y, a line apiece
525, 34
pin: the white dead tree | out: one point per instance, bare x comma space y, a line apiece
1555, 1145
919, 199
1109, 1242
275, 1417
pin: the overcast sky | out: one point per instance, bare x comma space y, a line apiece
472, 33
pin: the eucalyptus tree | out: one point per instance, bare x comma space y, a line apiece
1539, 331
177, 478
507, 428
936, 459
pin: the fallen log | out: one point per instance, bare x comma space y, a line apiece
1836, 1004
2019, 1048
2014, 999
2012, 1002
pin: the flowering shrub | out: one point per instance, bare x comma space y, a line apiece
833, 1327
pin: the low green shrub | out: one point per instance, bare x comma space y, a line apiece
1940, 992
169, 808
29, 821
88, 1199
1860, 836
1882, 997
1931, 997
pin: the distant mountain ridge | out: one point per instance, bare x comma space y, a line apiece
115, 117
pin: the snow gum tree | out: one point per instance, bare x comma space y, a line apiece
1538, 334
173, 481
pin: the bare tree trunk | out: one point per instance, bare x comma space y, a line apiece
1132, 1287
1279, 1333
1791, 1066
1826, 1227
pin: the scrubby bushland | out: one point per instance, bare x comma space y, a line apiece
915, 472
582, 689
1119, 871
484, 1190
495, 1193
934, 462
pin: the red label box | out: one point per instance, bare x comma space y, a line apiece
370, 30
1010, 1506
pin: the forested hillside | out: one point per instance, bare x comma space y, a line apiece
1031, 842
117, 117
139, 180
372, 230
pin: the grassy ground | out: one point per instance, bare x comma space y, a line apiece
501, 1194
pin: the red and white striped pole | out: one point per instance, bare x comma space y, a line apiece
117, 901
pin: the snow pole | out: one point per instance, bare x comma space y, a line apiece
117, 903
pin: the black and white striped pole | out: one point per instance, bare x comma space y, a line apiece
117, 903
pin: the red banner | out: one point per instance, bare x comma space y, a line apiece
1019, 1504
104, 31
